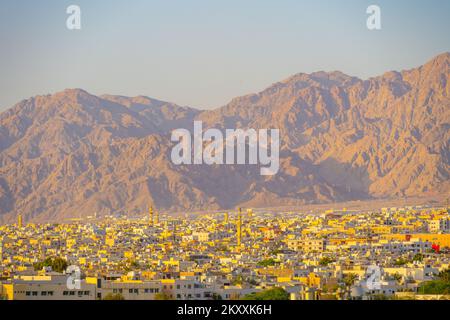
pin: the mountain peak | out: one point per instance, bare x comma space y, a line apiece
440, 63
441, 58
73, 92
323, 78
75, 95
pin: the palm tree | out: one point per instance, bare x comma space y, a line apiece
350, 279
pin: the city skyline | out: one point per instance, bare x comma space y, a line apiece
389, 253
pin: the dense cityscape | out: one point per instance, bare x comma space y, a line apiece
390, 253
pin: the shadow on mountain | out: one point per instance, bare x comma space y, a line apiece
349, 181
6, 197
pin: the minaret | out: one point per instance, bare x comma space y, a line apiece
225, 218
156, 220
19, 221
150, 216
239, 227
174, 231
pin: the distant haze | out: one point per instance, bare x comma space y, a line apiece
203, 53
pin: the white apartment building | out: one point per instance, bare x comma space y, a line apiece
48, 287
439, 225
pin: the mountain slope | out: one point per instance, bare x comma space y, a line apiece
72, 154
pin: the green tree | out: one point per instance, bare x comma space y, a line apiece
439, 286
267, 262
401, 262
114, 296
57, 264
445, 275
162, 296
269, 294
349, 279
216, 296
397, 277
418, 257
434, 287
325, 261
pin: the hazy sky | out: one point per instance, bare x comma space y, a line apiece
202, 53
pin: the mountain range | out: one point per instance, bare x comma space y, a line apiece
71, 154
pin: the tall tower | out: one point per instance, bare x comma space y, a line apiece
150, 216
225, 218
239, 228
19, 221
174, 231
156, 220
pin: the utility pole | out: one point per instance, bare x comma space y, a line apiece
150, 216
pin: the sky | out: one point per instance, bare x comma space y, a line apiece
203, 53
